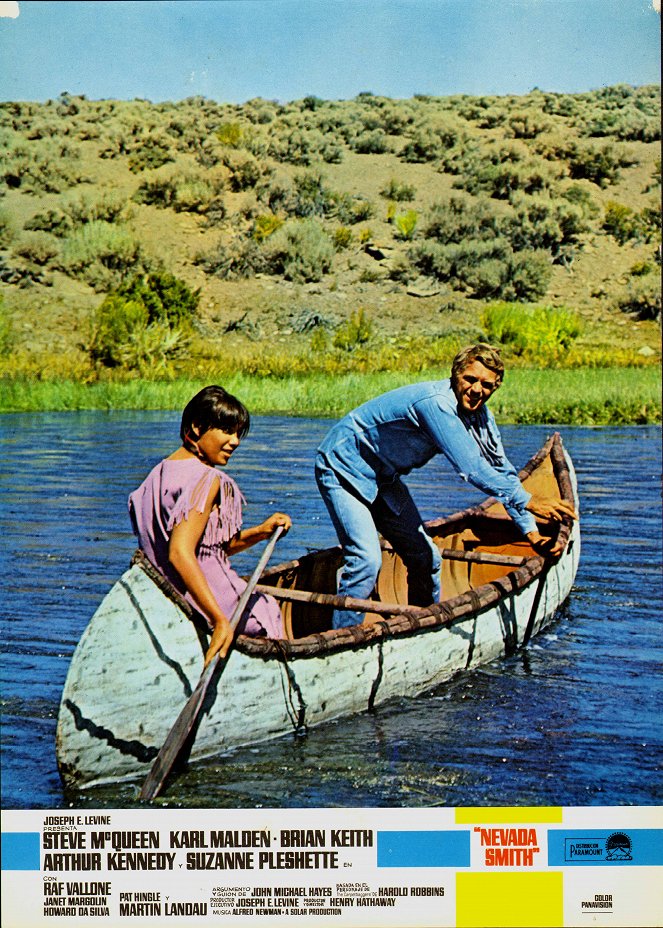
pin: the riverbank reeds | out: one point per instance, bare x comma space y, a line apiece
585, 396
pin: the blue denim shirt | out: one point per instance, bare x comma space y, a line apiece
403, 429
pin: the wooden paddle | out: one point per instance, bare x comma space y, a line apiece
177, 736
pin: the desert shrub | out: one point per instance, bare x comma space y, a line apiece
371, 143
245, 171
157, 191
429, 143
185, 193
215, 213
526, 124
620, 221
42, 167
642, 297
308, 197
527, 276
166, 298
303, 147
355, 331
541, 222
342, 237
143, 324
151, 348
6, 332
540, 330
625, 224
641, 268
504, 170
406, 224
38, 247
113, 326
399, 192
242, 258
265, 225
580, 196
230, 134
300, 250
489, 269
600, 164
101, 253
122, 336
649, 218
54, 221
109, 206
152, 152
351, 209
193, 195
8, 227
462, 217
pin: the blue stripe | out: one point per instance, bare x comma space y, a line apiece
20, 850
423, 849
616, 847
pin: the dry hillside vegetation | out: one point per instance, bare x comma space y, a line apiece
331, 223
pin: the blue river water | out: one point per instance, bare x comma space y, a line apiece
574, 719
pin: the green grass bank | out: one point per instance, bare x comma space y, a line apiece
596, 396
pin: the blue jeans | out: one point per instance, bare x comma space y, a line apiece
357, 522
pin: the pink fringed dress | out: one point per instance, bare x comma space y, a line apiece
167, 495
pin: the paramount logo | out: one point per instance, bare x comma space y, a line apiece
583, 850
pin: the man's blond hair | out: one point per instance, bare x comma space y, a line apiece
482, 352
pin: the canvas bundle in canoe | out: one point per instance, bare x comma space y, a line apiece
141, 655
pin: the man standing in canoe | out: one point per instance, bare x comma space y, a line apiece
360, 462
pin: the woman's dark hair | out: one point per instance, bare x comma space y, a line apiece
214, 408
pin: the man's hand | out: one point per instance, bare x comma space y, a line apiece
551, 509
546, 547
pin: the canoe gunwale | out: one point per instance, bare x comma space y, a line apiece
410, 620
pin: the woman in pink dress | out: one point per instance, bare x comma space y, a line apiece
188, 519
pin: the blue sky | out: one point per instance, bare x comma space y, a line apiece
233, 50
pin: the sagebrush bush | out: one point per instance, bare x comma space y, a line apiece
101, 245
42, 167
149, 153
398, 191
642, 297
626, 224
489, 269
107, 206
54, 221
600, 164
183, 192
243, 257
300, 250
8, 227
38, 247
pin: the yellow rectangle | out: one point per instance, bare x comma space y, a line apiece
509, 900
500, 815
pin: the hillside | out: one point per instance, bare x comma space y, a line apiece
290, 218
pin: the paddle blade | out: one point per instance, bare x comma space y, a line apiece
178, 735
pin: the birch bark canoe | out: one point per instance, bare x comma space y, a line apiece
141, 655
